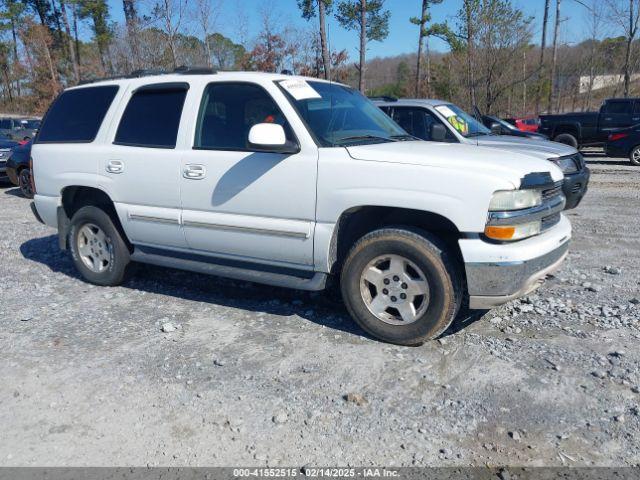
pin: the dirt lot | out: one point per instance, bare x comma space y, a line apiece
254, 375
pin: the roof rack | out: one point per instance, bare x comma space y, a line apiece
186, 70
384, 98
182, 70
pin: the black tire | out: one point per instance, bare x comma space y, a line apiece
567, 139
118, 267
24, 182
435, 261
635, 153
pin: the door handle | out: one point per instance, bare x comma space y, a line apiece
194, 172
115, 166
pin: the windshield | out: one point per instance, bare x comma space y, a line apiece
31, 124
341, 116
465, 124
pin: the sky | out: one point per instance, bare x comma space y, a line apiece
403, 36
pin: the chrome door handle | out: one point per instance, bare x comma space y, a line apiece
115, 166
194, 172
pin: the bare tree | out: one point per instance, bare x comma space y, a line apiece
308, 8
206, 14
554, 59
626, 14
543, 46
71, 45
170, 14
370, 20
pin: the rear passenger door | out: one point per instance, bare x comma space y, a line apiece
243, 204
141, 168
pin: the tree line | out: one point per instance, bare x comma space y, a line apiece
495, 58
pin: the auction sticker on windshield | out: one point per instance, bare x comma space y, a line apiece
299, 89
456, 121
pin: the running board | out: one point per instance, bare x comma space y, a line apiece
251, 272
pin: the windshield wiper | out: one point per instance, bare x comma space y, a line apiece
365, 137
477, 134
405, 136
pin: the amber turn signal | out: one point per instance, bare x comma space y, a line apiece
499, 233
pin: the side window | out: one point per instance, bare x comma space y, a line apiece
618, 107
228, 112
152, 116
636, 107
412, 120
5, 123
419, 122
76, 115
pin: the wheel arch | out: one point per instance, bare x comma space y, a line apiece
570, 128
358, 221
73, 198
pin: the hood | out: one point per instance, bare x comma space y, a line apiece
538, 148
509, 165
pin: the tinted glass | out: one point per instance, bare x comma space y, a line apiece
341, 116
228, 112
419, 122
5, 123
618, 107
76, 115
152, 118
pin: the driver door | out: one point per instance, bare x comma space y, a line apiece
243, 204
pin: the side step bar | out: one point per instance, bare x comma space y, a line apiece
287, 278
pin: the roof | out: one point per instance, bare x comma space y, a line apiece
185, 76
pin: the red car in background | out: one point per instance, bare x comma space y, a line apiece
528, 124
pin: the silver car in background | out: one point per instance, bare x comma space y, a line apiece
441, 121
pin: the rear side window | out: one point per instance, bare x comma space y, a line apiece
618, 107
152, 117
76, 115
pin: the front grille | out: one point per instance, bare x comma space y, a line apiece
552, 192
576, 188
550, 221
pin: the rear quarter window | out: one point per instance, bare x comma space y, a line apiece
76, 115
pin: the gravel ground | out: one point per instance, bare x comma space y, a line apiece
177, 369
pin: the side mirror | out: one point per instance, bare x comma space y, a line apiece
438, 132
270, 138
496, 128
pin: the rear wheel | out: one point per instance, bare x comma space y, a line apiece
24, 182
567, 139
97, 248
401, 285
634, 156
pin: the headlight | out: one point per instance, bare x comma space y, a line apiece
515, 200
567, 164
513, 232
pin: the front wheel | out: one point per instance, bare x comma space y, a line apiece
634, 156
401, 285
97, 248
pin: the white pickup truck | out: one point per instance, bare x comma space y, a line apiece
290, 181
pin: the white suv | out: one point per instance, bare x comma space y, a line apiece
290, 181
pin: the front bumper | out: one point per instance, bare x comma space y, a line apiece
499, 273
575, 186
